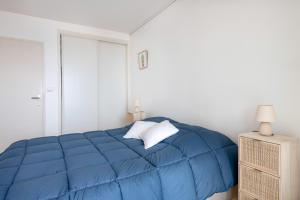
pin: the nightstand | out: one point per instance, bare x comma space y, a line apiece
136, 116
268, 167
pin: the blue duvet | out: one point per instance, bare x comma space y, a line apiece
191, 165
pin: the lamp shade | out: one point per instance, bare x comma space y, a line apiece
265, 113
137, 103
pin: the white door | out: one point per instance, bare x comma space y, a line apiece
21, 75
112, 85
94, 87
79, 85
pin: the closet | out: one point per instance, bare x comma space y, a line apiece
94, 84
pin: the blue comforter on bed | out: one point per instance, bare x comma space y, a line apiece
101, 165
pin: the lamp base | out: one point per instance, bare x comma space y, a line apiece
265, 129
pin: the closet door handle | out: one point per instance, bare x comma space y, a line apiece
36, 97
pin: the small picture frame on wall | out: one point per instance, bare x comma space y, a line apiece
143, 59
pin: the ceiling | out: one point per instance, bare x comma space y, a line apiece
119, 15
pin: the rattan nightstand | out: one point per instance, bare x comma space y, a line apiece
136, 116
268, 167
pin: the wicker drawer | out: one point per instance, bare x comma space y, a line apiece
259, 184
261, 155
245, 196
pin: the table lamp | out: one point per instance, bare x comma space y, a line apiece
265, 115
137, 105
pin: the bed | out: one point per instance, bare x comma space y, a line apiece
193, 164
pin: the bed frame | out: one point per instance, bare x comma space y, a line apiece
229, 195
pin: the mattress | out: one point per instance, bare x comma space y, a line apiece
194, 164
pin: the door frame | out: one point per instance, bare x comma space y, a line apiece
91, 37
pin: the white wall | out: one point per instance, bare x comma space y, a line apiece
212, 62
47, 31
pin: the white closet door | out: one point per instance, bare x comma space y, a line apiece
94, 85
112, 85
79, 85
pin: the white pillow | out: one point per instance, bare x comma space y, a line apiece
157, 133
138, 128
